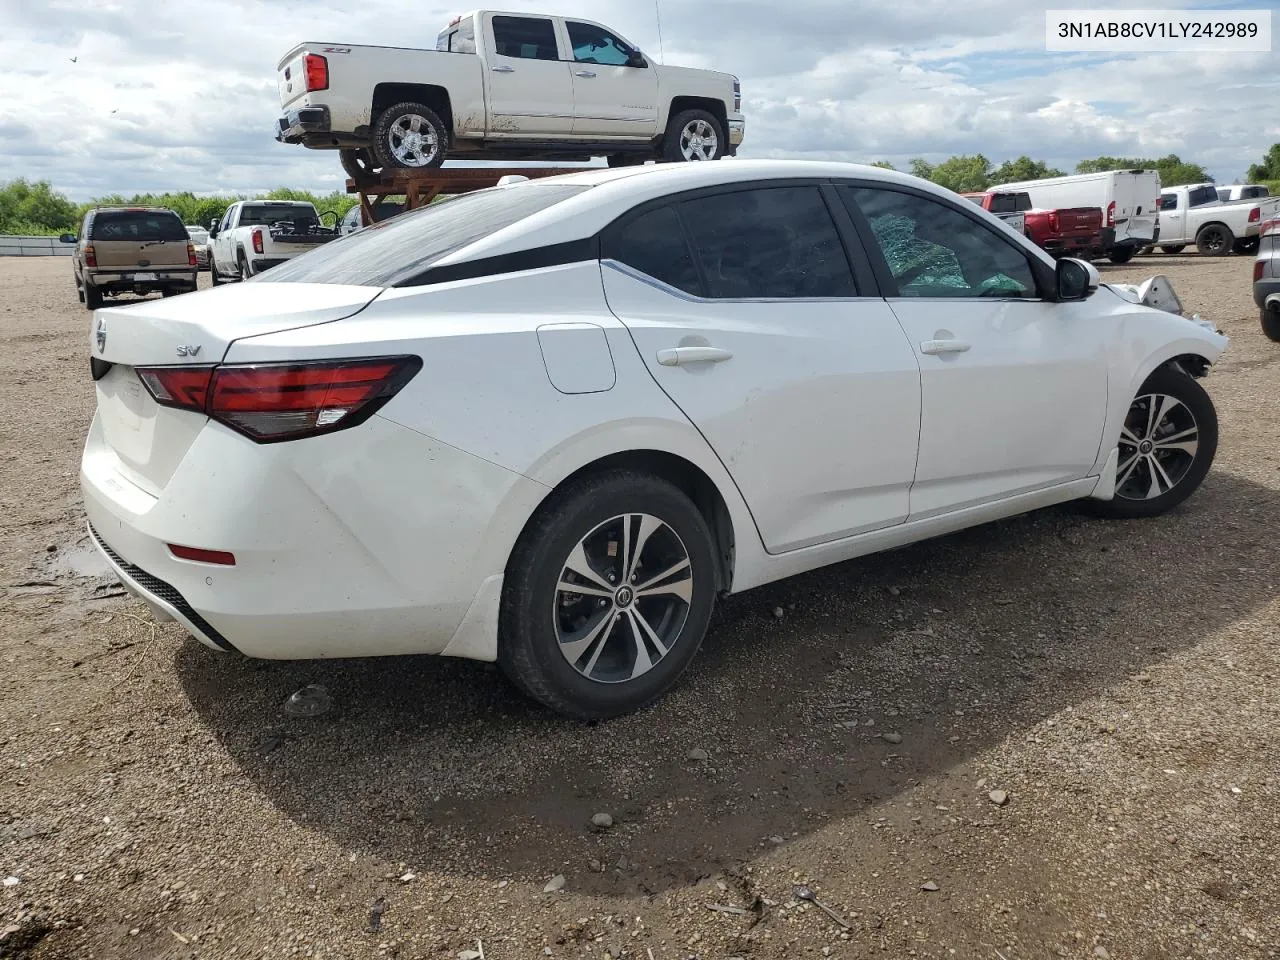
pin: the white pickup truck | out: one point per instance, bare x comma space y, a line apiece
255, 235
1194, 214
505, 86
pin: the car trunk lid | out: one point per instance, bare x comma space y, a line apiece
149, 440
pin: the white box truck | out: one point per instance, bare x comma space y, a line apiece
1128, 200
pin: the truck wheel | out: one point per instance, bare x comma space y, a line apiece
92, 297
215, 278
360, 165
1271, 322
1245, 247
1121, 254
409, 135
1215, 240
245, 274
1173, 248
693, 135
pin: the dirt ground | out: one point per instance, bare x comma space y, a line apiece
1049, 737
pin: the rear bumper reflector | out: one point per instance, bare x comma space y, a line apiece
220, 557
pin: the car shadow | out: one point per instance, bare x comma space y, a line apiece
954, 644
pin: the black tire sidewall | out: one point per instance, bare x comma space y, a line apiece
528, 647
1270, 319
381, 150
1202, 241
671, 142
1197, 400
1173, 250
1121, 255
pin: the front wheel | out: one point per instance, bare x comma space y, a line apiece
409, 135
1121, 254
1173, 248
607, 595
215, 278
1167, 444
694, 135
1215, 240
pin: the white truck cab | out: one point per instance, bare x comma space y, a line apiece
515, 86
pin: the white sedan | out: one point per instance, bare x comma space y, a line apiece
550, 423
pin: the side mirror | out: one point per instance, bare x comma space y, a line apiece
1075, 279
67, 238
637, 59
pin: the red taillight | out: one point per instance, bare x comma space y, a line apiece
191, 254
90, 256
317, 71
257, 239
1255, 215
283, 401
186, 388
1053, 221
1258, 267
1111, 214
203, 556
1269, 226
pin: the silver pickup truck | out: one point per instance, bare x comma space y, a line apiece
505, 86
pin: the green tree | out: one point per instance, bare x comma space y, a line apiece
1024, 168
884, 165
34, 207
1173, 170
1269, 168
963, 174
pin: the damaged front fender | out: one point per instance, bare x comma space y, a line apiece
1157, 292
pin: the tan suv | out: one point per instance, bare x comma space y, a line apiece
135, 250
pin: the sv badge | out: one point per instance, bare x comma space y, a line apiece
188, 351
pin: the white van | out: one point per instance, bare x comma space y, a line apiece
1127, 199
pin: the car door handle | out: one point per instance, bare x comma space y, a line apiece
936, 347
680, 356
584, 73
503, 68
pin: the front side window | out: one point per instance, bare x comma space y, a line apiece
395, 251
933, 250
528, 38
768, 243
592, 44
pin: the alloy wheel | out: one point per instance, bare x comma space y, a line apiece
413, 140
699, 140
1158, 445
623, 598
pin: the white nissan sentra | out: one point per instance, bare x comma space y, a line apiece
550, 423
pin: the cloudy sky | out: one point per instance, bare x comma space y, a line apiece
180, 94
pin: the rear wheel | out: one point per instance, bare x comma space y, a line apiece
694, 135
607, 595
1174, 248
245, 273
1246, 247
1167, 444
1215, 240
92, 297
1121, 254
409, 135
360, 165
1271, 322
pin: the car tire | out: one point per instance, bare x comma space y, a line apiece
92, 297
1158, 468
245, 272
359, 165
215, 278
1173, 248
1270, 317
1215, 240
392, 148
599, 655
694, 135
1246, 247
1121, 255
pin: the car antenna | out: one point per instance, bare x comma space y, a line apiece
662, 55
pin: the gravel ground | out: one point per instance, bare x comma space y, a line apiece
1052, 736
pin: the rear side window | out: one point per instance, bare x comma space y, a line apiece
767, 243
654, 243
458, 39
1168, 201
137, 225
1199, 196
395, 251
529, 38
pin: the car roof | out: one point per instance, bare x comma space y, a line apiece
613, 191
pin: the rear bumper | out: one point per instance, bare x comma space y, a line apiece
1264, 288
368, 542
165, 278
258, 264
294, 125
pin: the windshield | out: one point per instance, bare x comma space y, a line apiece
139, 225
254, 215
394, 251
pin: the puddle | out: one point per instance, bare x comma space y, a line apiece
81, 560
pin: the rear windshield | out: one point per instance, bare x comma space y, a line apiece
391, 252
137, 225
254, 214
1010, 202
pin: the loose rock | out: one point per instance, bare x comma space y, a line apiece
602, 820
555, 884
891, 737
998, 797
698, 754
930, 887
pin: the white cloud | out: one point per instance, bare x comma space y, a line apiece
183, 96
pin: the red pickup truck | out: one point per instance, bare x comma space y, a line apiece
1076, 231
